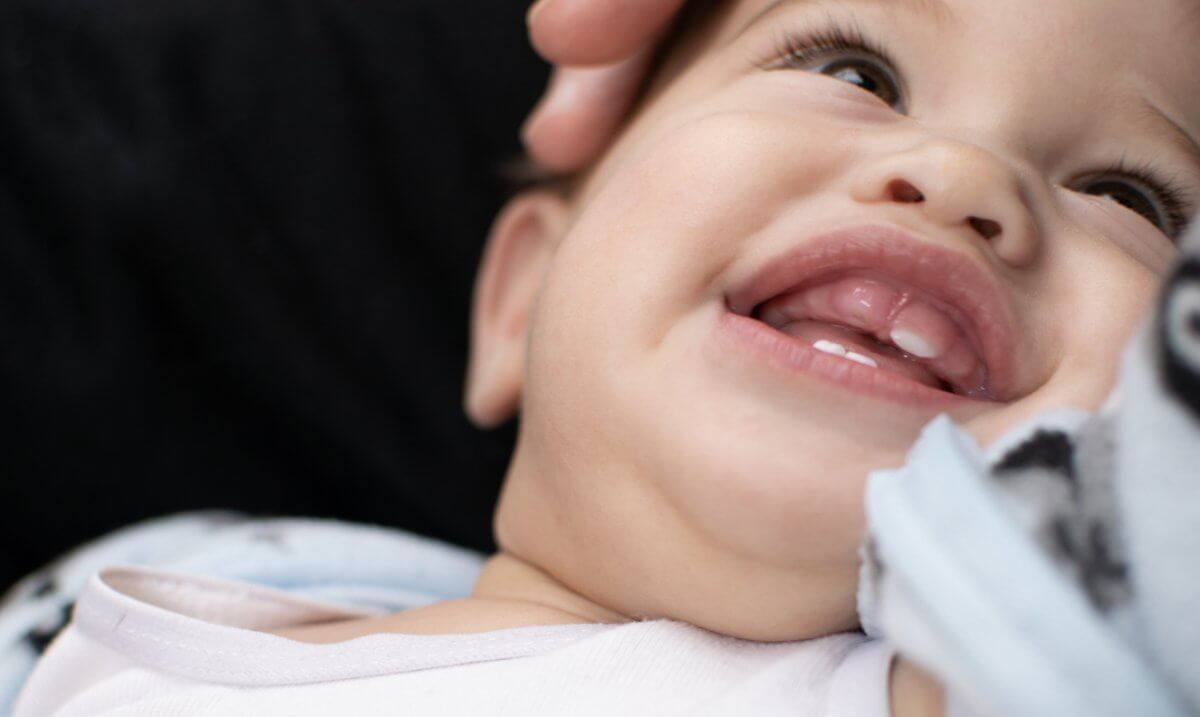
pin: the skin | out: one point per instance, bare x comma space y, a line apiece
601, 51
657, 477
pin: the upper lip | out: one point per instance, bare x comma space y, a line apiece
967, 292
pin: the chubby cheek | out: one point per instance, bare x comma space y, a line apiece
644, 252
695, 177
650, 242
620, 328
688, 200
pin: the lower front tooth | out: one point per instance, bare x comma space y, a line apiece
830, 347
864, 360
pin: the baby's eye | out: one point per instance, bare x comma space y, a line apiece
844, 54
866, 76
1140, 192
1127, 196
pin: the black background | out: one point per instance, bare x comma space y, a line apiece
237, 240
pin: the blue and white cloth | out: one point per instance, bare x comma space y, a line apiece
1057, 574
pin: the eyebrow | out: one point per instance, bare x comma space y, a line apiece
937, 9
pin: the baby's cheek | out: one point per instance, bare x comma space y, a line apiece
764, 131
686, 202
735, 160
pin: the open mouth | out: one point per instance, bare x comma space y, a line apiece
883, 324
908, 310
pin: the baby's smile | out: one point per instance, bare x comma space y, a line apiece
920, 317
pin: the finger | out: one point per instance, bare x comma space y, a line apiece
581, 112
596, 32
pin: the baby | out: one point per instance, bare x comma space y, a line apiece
826, 223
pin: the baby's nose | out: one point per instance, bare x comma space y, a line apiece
957, 185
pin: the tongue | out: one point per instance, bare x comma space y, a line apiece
928, 345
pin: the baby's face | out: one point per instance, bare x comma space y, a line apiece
838, 220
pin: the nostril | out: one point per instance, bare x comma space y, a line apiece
901, 191
987, 228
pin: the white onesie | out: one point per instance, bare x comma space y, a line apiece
151, 642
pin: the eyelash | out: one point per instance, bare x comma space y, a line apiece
796, 49
1172, 197
800, 50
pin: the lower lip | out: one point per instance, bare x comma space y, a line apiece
777, 350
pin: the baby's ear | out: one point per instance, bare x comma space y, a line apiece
519, 248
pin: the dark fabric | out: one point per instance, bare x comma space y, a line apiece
237, 239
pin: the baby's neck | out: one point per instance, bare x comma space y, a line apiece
506, 580
509, 593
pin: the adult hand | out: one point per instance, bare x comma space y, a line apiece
600, 49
